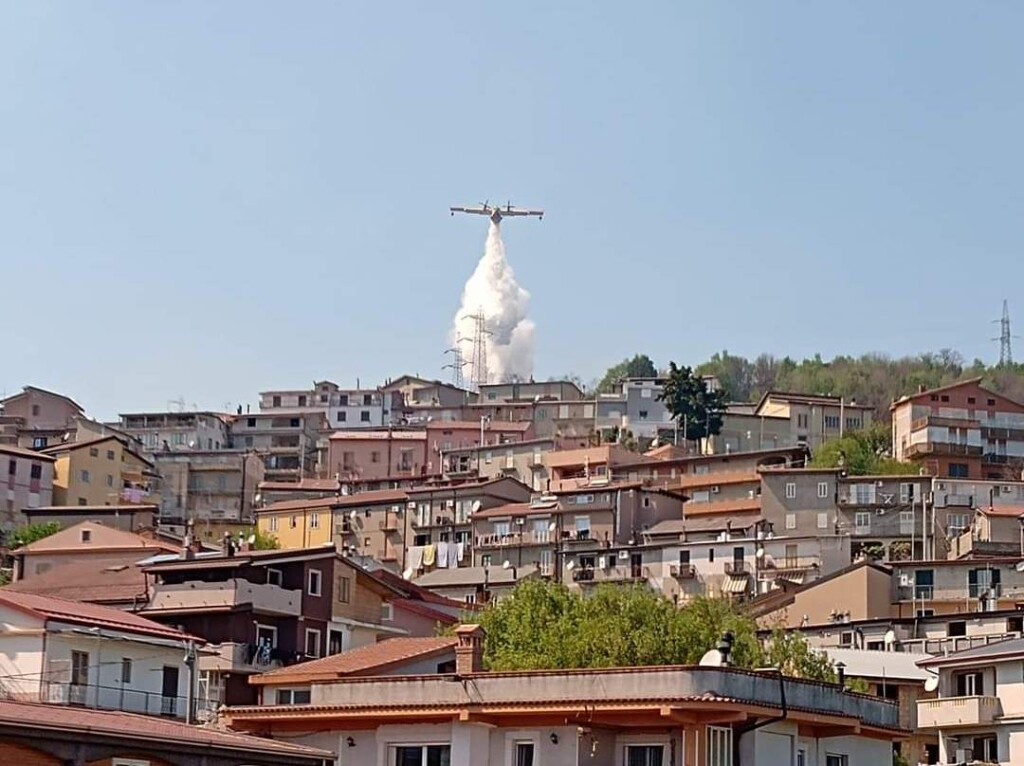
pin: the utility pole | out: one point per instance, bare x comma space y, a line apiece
1005, 337
456, 364
478, 364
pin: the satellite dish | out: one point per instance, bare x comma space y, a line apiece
475, 507
889, 638
408, 573
552, 527
711, 659
192, 444
759, 554
353, 515
571, 565
257, 497
252, 539
931, 684
506, 564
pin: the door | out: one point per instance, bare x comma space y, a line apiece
79, 678
334, 642
645, 755
636, 565
169, 691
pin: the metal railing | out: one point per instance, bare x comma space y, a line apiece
123, 698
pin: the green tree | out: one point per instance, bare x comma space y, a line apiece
734, 373
640, 366
862, 453
29, 534
543, 625
264, 542
696, 409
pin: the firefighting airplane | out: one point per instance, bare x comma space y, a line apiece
497, 212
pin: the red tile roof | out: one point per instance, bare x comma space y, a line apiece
364, 661
90, 615
101, 538
30, 715
99, 582
7, 449
1011, 511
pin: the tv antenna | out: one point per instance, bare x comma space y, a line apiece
1005, 337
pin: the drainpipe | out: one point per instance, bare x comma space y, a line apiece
738, 732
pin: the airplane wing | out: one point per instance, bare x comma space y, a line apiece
513, 212
470, 210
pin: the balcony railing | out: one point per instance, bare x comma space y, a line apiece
123, 698
973, 592
945, 645
683, 571
515, 538
943, 448
266, 598
952, 712
583, 575
736, 567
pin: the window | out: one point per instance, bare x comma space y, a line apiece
522, 754
126, 670
906, 522
313, 582
643, 415
582, 525
1015, 624
711, 554
312, 642
82, 501
924, 583
364, 416
907, 491
35, 410
790, 490
248, 441
645, 755
684, 558
991, 402
266, 635
969, 684
719, 746
85, 477
343, 400
314, 521
823, 520
110, 480
958, 628
342, 416
862, 522
94, 451
274, 576
345, 590
945, 398
959, 471
956, 523
387, 612
801, 757
924, 613
79, 668
275, 401
822, 489
302, 401
12, 467
367, 400
86, 535
293, 423
39, 442
375, 457
110, 454
832, 421
836, 759
420, 755
801, 421
273, 523
790, 521
293, 696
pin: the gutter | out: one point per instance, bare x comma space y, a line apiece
741, 730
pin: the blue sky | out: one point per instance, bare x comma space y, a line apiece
209, 199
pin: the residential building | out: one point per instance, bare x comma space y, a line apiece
801, 501
414, 398
521, 460
37, 418
743, 431
45, 735
307, 489
69, 653
86, 543
384, 454
129, 518
445, 435
286, 439
961, 586
528, 391
28, 482
637, 408
649, 716
578, 467
101, 471
994, 531
887, 516
979, 713
208, 485
960, 431
342, 407
396, 527
567, 533
477, 584
176, 431
814, 419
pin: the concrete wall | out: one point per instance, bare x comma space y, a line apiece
19, 490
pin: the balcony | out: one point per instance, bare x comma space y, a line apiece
736, 567
123, 698
972, 593
953, 712
203, 596
388, 525
936, 421
944, 448
683, 571
239, 657
992, 458
792, 563
583, 575
515, 539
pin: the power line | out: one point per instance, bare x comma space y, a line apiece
1005, 337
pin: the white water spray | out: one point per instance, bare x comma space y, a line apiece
492, 289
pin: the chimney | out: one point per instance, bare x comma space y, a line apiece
469, 651
921, 388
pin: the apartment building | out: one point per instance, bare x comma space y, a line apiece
176, 431
565, 533
133, 517
67, 653
636, 408
413, 392
994, 531
815, 419
979, 713
102, 471
288, 440
960, 431
215, 486
528, 391
446, 435
801, 501
650, 716
888, 516
381, 454
961, 586
669, 462
521, 460
37, 418
28, 483
743, 431
477, 585
264, 609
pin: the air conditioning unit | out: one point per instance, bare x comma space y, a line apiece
623, 555
880, 512
1007, 488
906, 580
879, 483
715, 490
602, 562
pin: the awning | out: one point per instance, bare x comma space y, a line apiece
797, 578
735, 584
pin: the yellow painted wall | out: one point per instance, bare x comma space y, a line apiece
295, 529
107, 470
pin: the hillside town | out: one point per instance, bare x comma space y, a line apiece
295, 581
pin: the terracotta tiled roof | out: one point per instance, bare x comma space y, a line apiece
27, 453
364, 661
90, 615
517, 509
1008, 511
100, 582
29, 715
337, 501
101, 538
69, 446
420, 608
381, 435
724, 506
